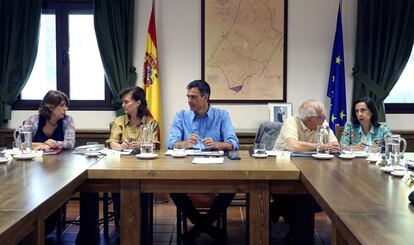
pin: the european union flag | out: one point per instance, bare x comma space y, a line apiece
336, 85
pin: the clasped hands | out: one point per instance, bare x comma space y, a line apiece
194, 138
47, 145
129, 145
360, 147
332, 146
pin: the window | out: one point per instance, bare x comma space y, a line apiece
68, 59
401, 97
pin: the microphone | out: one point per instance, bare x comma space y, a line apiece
411, 197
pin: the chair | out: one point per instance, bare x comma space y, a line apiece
107, 216
202, 203
338, 131
268, 133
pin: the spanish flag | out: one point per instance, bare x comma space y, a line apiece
150, 79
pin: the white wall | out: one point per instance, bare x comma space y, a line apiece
311, 28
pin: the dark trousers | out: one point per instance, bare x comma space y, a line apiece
298, 213
202, 223
89, 217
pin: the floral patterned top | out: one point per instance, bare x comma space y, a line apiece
68, 130
353, 135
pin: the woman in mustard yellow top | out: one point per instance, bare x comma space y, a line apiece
125, 131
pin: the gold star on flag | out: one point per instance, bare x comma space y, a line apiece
333, 118
333, 78
342, 115
338, 60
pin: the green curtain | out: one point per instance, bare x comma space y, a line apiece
114, 22
385, 36
19, 38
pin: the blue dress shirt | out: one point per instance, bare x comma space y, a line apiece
215, 124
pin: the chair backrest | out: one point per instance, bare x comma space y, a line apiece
268, 133
338, 131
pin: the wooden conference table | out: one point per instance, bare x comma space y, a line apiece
257, 177
365, 205
31, 190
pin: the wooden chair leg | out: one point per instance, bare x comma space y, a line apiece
106, 215
59, 224
178, 226
60, 221
224, 221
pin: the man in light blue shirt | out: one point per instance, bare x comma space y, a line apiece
202, 127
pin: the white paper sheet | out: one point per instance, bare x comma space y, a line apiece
278, 153
208, 160
197, 153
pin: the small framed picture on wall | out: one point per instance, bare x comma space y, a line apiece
279, 112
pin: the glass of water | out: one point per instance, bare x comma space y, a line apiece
3, 152
322, 138
259, 149
146, 148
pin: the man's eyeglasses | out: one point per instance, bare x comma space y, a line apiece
321, 117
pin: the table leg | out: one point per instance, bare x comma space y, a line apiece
336, 236
259, 213
130, 212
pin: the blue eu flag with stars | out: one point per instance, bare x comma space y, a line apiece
336, 86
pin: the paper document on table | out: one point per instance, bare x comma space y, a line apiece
357, 153
208, 160
278, 153
191, 152
302, 154
106, 151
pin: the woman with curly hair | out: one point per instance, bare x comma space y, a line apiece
51, 127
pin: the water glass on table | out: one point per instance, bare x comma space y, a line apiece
178, 150
3, 152
146, 148
374, 152
347, 150
259, 149
322, 139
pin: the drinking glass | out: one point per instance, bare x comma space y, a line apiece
347, 150
146, 146
179, 150
259, 149
374, 152
3, 152
322, 138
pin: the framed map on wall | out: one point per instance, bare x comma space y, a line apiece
244, 49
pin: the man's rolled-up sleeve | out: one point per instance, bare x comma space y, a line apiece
228, 132
176, 130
